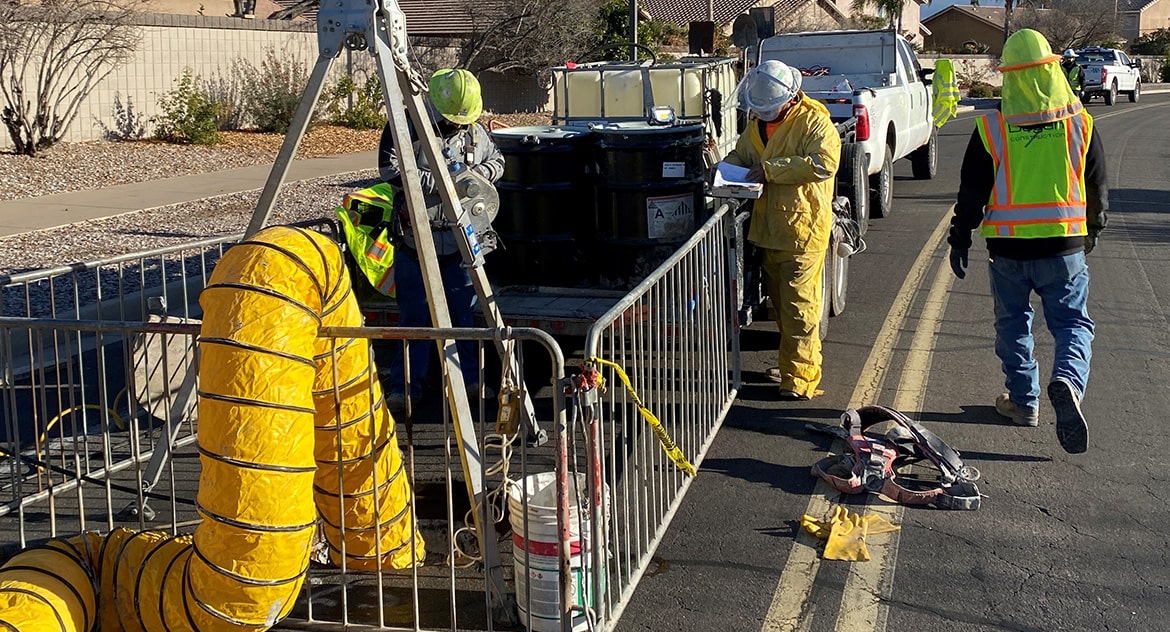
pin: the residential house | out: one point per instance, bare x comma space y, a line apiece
957, 26
436, 26
786, 15
1139, 17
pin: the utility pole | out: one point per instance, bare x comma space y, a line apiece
1007, 19
633, 29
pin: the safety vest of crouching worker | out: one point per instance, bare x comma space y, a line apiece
366, 217
791, 146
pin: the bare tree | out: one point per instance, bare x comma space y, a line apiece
1070, 23
52, 55
527, 35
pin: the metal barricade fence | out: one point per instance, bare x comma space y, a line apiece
102, 414
66, 473
676, 337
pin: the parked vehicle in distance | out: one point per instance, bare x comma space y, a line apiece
875, 78
1108, 72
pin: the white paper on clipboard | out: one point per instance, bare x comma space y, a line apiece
731, 181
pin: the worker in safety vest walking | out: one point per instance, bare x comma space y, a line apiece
455, 106
1033, 180
1073, 72
793, 148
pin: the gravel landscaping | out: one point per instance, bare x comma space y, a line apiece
94, 165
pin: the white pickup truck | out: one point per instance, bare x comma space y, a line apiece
875, 79
1108, 72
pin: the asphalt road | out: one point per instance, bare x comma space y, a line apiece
1061, 542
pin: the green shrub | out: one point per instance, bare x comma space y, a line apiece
1152, 43
1165, 69
188, 115
980, 90
272, 91
997, 91
358, 107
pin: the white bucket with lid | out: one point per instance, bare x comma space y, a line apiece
537, 589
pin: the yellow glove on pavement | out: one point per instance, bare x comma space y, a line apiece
846, 532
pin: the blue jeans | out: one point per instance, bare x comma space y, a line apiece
1063, 286
414, 311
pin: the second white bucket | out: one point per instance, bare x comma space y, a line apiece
538, 571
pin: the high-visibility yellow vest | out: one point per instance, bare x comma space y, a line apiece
373, 253
1039, 177
946, 91
1074, 76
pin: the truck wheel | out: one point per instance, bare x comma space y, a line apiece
827, 289
853, 182
840, 283
881, 188
1136, 93
924, 160
1111, 95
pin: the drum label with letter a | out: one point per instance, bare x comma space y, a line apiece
670, 216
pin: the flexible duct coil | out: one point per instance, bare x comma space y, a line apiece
279, 446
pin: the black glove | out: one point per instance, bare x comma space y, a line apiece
959, 261
1090, 242
960, 241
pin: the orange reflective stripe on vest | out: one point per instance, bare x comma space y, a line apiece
1039, 177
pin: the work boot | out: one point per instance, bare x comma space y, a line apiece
1019, 416
489, 393
1072, 431
787, 395
396, 402
774, 374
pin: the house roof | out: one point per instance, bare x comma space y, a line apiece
434, 18
1134, 5
682, 12
994, 16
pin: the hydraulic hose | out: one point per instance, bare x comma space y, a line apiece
280, 449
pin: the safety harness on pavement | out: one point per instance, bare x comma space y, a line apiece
872, 465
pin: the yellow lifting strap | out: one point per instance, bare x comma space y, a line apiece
668, 445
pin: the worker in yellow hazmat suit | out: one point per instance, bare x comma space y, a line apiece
793, 148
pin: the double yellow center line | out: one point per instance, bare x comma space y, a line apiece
869, 584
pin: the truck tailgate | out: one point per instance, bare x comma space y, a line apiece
557, 310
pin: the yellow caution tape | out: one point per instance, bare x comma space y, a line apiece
668, 445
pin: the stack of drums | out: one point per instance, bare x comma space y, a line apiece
649, 196
546, 214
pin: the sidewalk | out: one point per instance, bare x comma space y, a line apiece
49, 211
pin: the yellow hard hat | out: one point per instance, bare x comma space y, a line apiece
1024, 49
456, 95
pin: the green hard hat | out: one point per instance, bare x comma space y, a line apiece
1024, 49
455, 93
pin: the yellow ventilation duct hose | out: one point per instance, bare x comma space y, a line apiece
51, 588
279, 448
